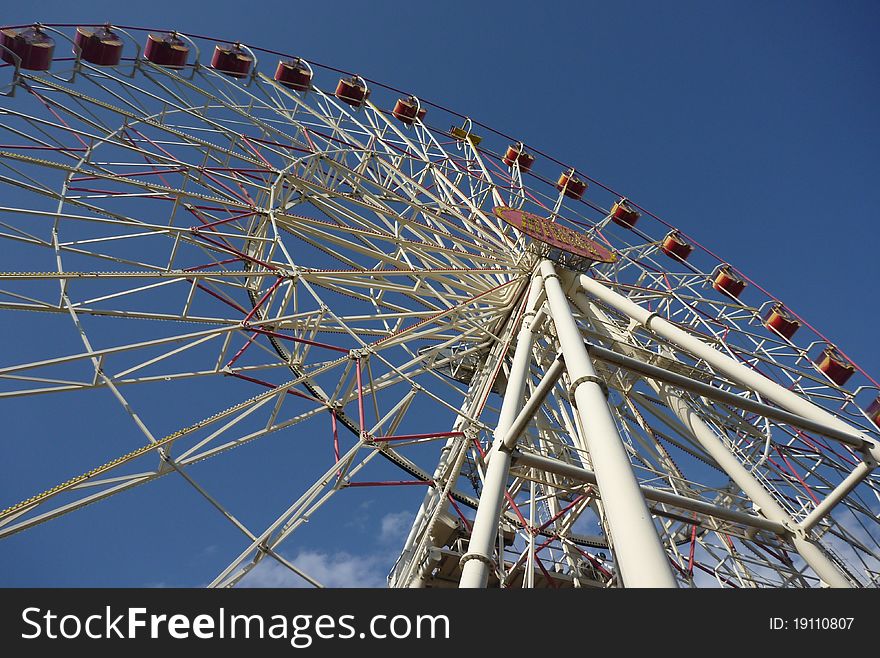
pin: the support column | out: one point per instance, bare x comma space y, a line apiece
478, 560
738, 372
712, 444
433, 503
639, 552
812, 554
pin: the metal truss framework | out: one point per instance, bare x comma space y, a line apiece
344, 274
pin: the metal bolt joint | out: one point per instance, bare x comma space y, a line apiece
647, 322
872, 454
587, 378
503, 447
795, 530
485, 559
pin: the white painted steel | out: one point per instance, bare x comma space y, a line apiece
347, 272
722, 362
767, 505
642, 559
832, 499
763, 500
476, 563
656, 495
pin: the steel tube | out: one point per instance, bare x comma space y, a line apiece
639, 552
478, 559
656, 495
727, 461
812, 554
725, 364
841, 491
705, 390
535, 401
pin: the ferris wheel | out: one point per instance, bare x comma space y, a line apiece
585, 395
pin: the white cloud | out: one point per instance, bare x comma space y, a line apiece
394, 526
339, 569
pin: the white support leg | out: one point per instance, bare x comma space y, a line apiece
841, 491
723, 363
640, 554
528, 412
433, 504
478, 559
709, 440
812, 554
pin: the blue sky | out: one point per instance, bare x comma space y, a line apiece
751, 125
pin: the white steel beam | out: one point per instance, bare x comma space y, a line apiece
859, 473
715, 393
656, 495
477, 561
554, 372
841, 491
733, 369
745, 480
640, 554
812, 554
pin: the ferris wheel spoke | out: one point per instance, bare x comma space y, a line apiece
373, 205
128, 116
20, 372
149, 189
44, 92
381, 124
290, 109
409, 192
203, 448
345, 266
190, 106
814, 557
284, 525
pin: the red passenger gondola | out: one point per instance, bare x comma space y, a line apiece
32, 46
232, 60
516, 153
166, 50
98, 45
835, 366
571, 186
353, 91
623, 214
781, 321
727, 281
408, 110
294, 74
675, 247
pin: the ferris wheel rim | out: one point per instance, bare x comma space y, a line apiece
484, 126
573, 171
